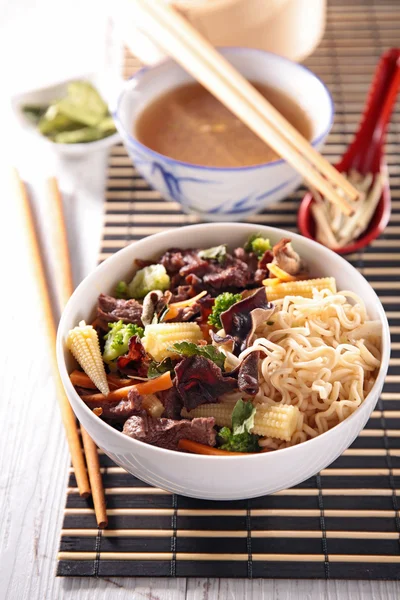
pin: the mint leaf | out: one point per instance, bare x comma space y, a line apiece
210, 352
243, 417
216, 253
156, 369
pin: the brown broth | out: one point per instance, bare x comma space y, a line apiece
189, 124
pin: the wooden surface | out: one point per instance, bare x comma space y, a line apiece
33, 452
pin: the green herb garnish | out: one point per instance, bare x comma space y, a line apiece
117, 339
156, 369
210, 352
216, 253
239, 438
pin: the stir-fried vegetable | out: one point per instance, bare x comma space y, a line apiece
158, 368
210, 352
221, 304
239, 438
83, 343
216, 253
153, 277
257, 244
79, 117
117, 339
121, 290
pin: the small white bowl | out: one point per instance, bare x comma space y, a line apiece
215, 477
45, 95
223, 194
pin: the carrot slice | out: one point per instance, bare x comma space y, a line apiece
196, 448
158, 384
173, 309
80, 379
280, 273
271, 282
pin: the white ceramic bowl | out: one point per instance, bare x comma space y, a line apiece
105, 85
222, 194
211, 477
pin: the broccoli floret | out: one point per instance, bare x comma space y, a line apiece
239, 442
121, 291
257, 244
153, 277
117, 339
221, 304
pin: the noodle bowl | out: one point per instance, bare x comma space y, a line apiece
312, 358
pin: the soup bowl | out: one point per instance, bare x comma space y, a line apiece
216, 477
215, 193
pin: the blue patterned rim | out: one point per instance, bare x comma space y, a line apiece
133, 141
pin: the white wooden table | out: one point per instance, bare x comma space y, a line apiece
33, 453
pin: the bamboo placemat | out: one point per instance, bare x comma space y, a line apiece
342, 523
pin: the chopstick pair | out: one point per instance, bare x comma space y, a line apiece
65, 289
179, 39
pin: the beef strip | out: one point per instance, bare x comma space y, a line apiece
186, 268
184, 262
233, 275
166, 433
258, 267
113, 309
121, 409
172, 403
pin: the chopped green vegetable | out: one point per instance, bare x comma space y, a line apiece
221, 304
239, 438
34, 112
257, 244
81, 116
210, 352
53, 122
117, 339
216, 253
83, 104
80, 136
156, 369
107, 125
241, 442
153, 277
121, 290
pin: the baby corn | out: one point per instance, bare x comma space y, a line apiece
159, 339
298, 288
152, 405
269, 421
83, 343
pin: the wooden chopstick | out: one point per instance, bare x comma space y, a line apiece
67, 413
63, 273
182, 27
178, 38
93, 465
65, 288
